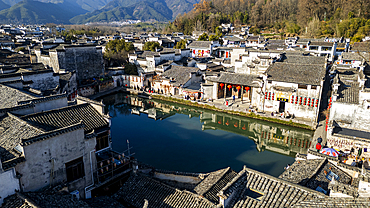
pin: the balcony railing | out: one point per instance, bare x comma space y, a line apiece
110, 164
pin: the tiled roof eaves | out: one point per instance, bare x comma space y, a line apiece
51, 134
40, 100
12, 163
25, 73
29, 105
90, 135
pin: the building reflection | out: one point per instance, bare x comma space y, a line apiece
267, 136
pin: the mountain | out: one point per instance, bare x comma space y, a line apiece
89, 5
118, 10
180, 6
3, 5
31, 12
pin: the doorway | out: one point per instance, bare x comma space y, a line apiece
281, 107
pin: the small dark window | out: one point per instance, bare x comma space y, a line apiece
300, 86
102, 141
75, 169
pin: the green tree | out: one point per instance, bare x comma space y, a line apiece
203, 37
116, 52
117, 46
151, 46
131, 69
181, 44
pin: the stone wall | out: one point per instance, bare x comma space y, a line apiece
87, 61
51, 155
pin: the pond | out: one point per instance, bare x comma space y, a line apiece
182, 138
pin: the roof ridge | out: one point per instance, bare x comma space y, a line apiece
55, 110
23, 106
38, 100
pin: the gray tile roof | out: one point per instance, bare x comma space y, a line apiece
256, 189
200, 44
213, 183
12, 131
312, 173
64, 79
310, 74
360, 47
351, 132
181, 74
64, 117
334, 202
139, 188
351, 56
233, 78
9, 96
302, 170
300, 59
348, 91
321, 43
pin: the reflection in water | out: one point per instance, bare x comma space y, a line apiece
183, 138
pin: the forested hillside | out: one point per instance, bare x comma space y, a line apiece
349, 18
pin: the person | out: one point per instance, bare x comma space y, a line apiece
319, 140
353, 163
318, 147
286, 168
359, 151
366, 164
360, 163
233, 98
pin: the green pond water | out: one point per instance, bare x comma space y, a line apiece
182, 138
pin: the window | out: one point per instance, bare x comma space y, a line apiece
75, 169
301, 86
326, 48
102, 141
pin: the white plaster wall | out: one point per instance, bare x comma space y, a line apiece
62, 148
167, 56
42, 81
51, 104
364, 189
8, 184
179, 178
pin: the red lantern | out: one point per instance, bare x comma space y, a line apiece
222, 85
238, 88
229, 86
247, 88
